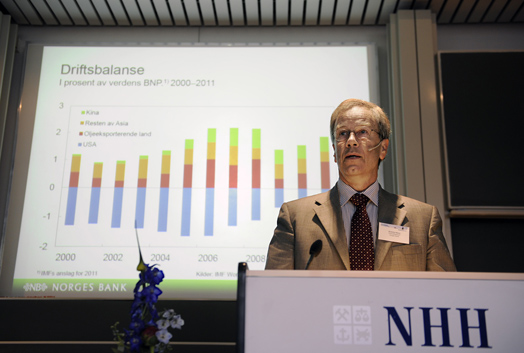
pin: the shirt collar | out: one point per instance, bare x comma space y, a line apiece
345, 192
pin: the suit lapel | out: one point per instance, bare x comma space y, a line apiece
389, 211
327, 209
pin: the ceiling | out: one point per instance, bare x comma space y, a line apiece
251, 12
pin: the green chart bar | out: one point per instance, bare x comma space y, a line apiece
210, 182
255, 175
233, 177
279, 178
302, 171
188, 186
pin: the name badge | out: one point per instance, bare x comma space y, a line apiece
391, 232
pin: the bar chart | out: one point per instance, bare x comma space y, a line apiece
164, 190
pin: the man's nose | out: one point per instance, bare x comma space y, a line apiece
352, 140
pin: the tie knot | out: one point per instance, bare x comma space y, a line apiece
359, 200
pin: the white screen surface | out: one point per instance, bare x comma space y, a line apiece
195, 147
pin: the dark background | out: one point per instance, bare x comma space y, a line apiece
484, 124
483, 100
44, 321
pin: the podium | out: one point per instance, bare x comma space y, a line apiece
357, 311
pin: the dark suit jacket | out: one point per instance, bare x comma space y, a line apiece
303, 221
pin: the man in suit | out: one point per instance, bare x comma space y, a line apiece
383, 231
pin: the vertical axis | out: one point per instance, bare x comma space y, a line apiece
164, 191
324, 164
118, 194
279, 178
73, 190
210, 182
141, 192
233, 176
187, 185
255, 175
302, 171
95, 193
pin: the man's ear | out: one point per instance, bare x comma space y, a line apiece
334, 152
384, 149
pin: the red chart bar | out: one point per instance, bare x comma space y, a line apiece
255, 175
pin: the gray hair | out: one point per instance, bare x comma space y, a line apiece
384, 127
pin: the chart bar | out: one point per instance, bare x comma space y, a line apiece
187, 187
141, 192
118, 194
279, 178
255, 175
302, 171
95, 193
73, 190
233, 177
210, 182
324, 164
164, 191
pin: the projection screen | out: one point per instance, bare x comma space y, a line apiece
190, 149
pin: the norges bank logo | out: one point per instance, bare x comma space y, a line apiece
35, 287
76, 287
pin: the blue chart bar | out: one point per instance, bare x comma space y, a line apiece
117, 207
210, 211
71, 206
94, 205
232, 218
162, 209
255, 205
186, 212
279, 197
140, 207
302, 193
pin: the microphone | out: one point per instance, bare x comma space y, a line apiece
371, 149
314, 250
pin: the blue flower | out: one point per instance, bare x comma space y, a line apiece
168, 314
137, 325
163, 324
163, 336
177, 322
152, 293
154, 276
146, 330
154, 314
135, 342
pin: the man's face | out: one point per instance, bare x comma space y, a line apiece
357, 165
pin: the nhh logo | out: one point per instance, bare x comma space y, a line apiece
404, 328
352, 324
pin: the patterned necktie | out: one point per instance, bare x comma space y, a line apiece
361, 247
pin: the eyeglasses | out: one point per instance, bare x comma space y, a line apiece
361, 133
